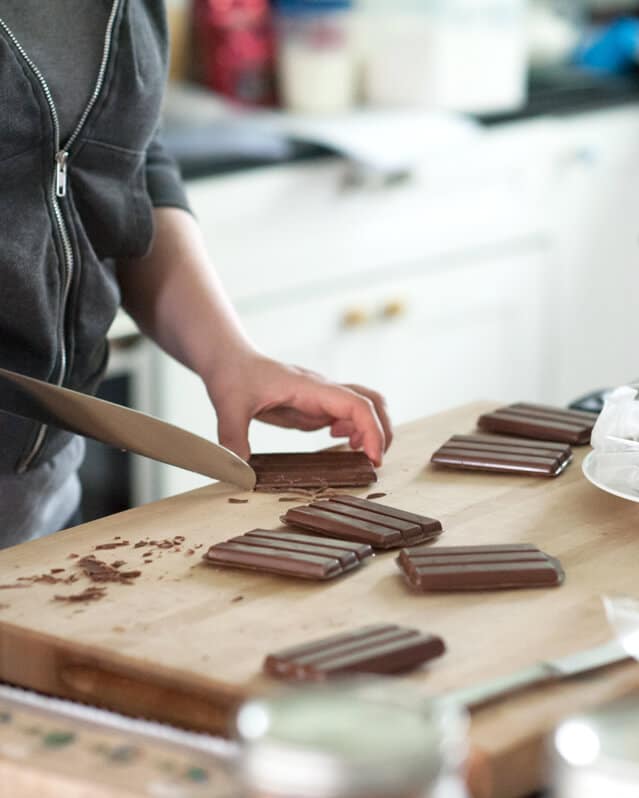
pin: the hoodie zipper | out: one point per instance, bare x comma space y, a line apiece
59, 190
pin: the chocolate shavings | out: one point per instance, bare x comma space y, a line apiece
89, 594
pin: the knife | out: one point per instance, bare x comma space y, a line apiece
547, 672
121, 427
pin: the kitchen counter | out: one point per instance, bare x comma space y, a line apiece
203, 152
563, 91
185, 642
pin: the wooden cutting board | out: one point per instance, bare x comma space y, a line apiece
186, 642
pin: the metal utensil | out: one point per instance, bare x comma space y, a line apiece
121, 427
542, 673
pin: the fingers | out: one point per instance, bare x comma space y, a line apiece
342, 429
380, 408
344, 404
291, 397
232, 430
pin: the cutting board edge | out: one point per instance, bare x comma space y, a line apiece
87, 674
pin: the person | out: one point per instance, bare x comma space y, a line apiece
93, 215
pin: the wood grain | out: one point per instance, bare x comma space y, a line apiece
186, 642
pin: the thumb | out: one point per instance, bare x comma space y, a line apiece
232, 431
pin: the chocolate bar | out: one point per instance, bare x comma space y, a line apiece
519, 565
350, 518
290, 554
312, 470
541, 422
504, 455
383, 648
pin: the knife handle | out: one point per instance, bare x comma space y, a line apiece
493, 689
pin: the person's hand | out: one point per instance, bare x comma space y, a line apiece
257, 387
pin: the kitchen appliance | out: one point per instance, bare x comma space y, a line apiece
120, 427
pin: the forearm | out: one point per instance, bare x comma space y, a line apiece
176, 297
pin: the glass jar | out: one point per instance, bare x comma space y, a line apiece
368, 740
316, 56
597, 755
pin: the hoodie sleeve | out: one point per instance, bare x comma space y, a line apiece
163, 179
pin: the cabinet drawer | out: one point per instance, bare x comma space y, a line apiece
282, 231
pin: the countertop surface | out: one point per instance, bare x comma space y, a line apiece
217, 148
185, 642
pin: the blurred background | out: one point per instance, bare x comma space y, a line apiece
436, 198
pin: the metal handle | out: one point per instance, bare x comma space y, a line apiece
393, 309
355, 317
497, 688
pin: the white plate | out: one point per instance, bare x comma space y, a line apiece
588, 467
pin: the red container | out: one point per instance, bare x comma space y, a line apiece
236, 50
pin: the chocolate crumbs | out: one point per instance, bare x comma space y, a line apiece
233, 500
103, 546
49, 579
89, 594
100, 571
376, 495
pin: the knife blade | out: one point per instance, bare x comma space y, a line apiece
121, 427
553, 670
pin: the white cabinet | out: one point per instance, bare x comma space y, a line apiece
594, 198
426, 341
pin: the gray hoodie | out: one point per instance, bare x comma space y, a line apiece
71, 209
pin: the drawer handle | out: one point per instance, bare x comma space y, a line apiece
393, 309
355, 317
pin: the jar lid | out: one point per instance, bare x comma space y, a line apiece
364, 740
297, 7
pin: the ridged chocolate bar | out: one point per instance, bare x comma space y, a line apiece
290, 554
350, 518
383, 648
504, 455
312, 470
479, 567
541, 422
